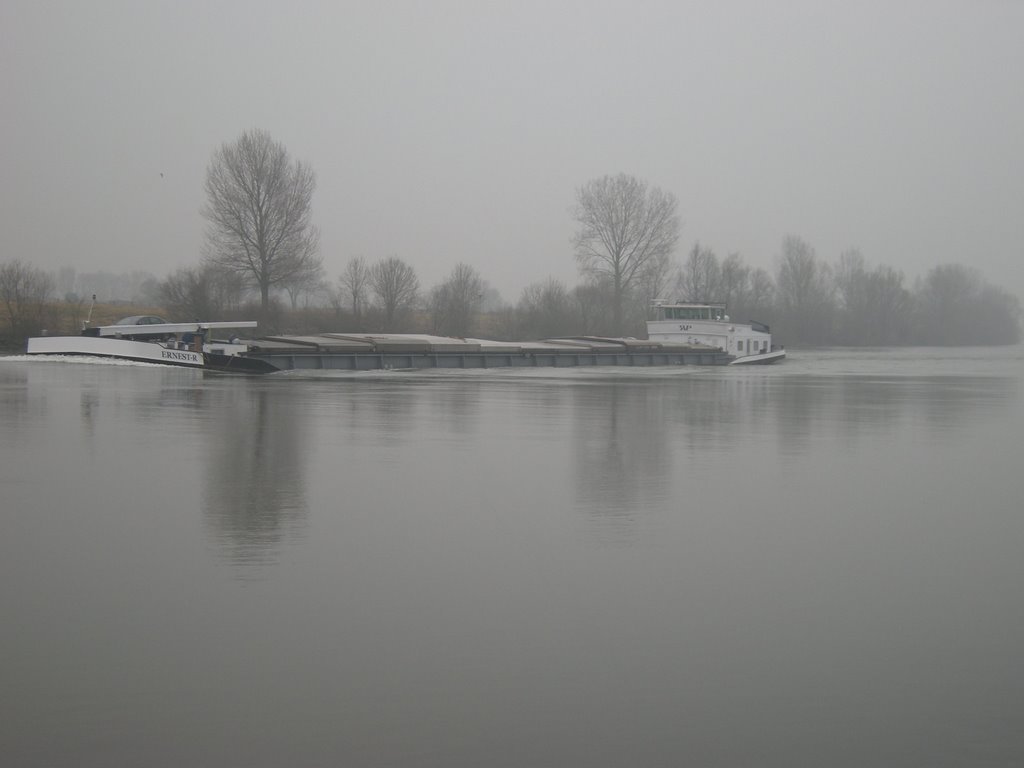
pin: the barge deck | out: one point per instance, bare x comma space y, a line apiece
371, 352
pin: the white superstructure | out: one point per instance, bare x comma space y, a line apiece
183, 344
700, 323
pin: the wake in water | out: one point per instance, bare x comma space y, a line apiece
78, 360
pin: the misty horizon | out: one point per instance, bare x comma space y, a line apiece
452, 133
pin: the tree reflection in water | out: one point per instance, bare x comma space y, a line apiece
621, 458
646, 449
254, 496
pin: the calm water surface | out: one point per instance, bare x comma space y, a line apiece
819, 563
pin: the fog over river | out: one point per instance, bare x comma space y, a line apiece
812, 564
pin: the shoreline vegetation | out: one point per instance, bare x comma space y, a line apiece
807, 301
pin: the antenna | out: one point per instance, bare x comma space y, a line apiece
85, 323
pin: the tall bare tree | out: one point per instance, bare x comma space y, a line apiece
625, 228
258, 209
396, 285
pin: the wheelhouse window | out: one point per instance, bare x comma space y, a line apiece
692, 313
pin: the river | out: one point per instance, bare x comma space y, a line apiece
814, 563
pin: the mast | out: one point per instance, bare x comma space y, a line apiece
85, 323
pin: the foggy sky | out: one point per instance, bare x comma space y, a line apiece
459, 131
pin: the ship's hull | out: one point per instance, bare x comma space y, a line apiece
144, 352
764, 358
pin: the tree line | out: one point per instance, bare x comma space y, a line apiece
806, 300
261, 257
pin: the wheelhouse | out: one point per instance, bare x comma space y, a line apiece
708, 324
714, 312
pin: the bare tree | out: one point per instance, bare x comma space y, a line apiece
734, 282
654, 283
625, 228
761, 297
955, 306
355, 281
305, 283
591, 302
259, 212
202, 293
851, 278
1001, 316
25, 292
185, 295
889, 308
456, 302
700, 276
545, 309
805, 292
396, 285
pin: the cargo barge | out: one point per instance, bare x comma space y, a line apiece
681, 334
192, 345
369, 352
